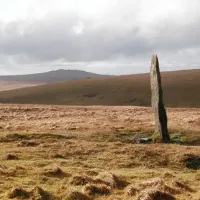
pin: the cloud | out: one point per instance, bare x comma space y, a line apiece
125, 35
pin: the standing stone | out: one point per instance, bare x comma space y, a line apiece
157, 101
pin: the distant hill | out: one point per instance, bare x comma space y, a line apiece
52, 76
181, 89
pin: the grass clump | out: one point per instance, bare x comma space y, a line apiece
152, 183
192, 161
131, 191
155, 194
27, 143
11, 157
111, 180
181, 185
93, 190
18, 192
156, 138
75, 195
159, 184
92, 173
36, 194
80, 180
58, 156
39, 194
54, 172
16, 137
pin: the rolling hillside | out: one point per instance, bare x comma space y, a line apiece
181, 89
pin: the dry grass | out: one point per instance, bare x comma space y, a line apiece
182, 186
80, 180
96, 164
152, 183
131, 191
92, 119
11, 157
11, 85
94, 190
53, 172
36, 193
76, 196
111, 180
153, 194
18, 192
39, 194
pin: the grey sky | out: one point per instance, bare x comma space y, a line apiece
113, 37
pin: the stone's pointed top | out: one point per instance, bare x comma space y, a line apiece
154, 56
154, 60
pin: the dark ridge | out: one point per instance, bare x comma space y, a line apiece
52, 76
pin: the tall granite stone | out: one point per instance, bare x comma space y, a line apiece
157, 101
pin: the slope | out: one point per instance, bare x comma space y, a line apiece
181, 89
11, 85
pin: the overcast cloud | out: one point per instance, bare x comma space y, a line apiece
110, 37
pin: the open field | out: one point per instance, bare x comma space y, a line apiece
181, 89
49, 152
